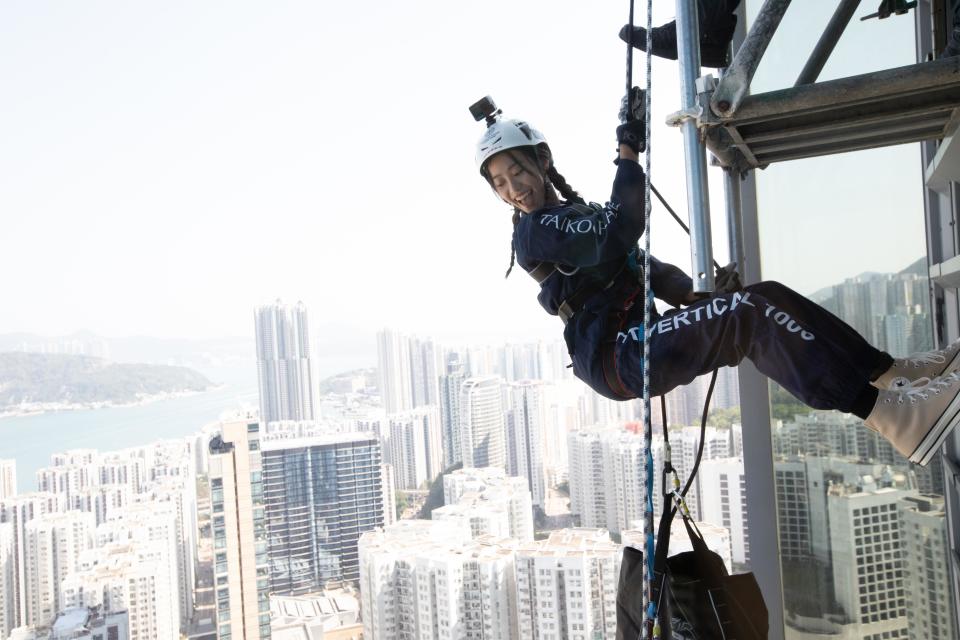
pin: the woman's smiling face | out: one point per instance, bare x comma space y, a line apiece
516, 181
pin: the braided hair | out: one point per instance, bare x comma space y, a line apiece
538, 156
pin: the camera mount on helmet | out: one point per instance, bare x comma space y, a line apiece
485, 108
501, 134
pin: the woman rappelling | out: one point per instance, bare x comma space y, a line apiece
585, 258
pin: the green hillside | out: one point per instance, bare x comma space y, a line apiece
39, 378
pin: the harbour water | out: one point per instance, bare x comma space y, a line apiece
31, 440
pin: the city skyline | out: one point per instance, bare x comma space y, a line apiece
420, 461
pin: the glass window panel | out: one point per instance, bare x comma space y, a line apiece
848, 232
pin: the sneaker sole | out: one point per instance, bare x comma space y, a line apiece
932, 442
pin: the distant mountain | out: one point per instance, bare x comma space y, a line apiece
35, 379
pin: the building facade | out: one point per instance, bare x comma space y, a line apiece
241, 563
283, 363
482, 433
527, 436
320, 494
567, 585
8, 478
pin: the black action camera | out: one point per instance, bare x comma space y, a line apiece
485, 108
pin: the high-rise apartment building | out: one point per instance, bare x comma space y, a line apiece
487, 502
118, 469
553, 359
409, 369
889, 309
68, 480
867, 553
320, 494
596, 410
6, 578
425, 369
723, 502
52, 547
104, 501
802, 485
685, 444
414, 446
427, 580
527, 436
607, 477
241, 565
833, 434
567, 585
132, 577
926, 562
393, 366
155, 523
450, 383
793, 508
179, 495
389, 481
624, 465
587, 480
8, 478
19, 512
481, 422
283, 363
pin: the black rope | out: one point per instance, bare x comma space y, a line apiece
703, 434
663, 201
630, 63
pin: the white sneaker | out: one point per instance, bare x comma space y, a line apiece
924, 364
917, 418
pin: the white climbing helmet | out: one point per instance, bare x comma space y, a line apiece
506, 134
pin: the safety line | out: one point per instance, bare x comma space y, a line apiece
650, 626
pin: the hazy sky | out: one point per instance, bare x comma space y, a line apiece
165, 167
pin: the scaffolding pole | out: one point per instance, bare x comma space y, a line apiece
828, 40
734, 211
736, 82
694, 150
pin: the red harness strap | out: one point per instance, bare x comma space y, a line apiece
608, 350
610, 374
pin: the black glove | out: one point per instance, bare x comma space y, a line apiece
633, 134
633, 130
727, 280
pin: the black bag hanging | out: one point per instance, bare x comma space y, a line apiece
706, 602
699, 601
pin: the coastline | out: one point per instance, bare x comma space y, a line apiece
40, 408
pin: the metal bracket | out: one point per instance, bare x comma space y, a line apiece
677, 118
700, 113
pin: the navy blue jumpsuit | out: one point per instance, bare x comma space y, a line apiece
797, 343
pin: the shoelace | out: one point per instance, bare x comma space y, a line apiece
926, 357
921, 388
